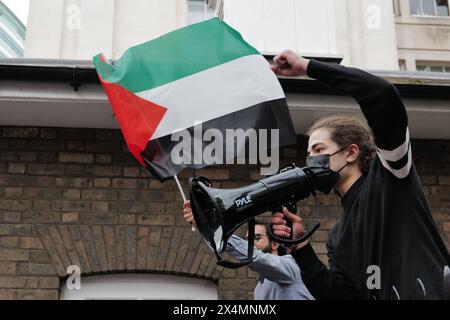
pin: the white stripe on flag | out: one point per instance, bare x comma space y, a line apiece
213, 93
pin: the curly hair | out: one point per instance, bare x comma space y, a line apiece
346, 130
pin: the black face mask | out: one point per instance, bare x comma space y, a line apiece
325, 178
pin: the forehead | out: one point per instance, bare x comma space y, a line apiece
261, 229
319, 136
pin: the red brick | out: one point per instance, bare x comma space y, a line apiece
319, 248
127, 195
12, 217
444, 179
320, 236
45, 145
127, 218
48, 133
12, 282
21, 156
90, 219
446, 226
13, 255
156, 220
36, 168
9, 242
45, 181
142, 246
15, 230
41, 217
214, 173
103, 159
75, 145
7, 267
47, 156
100, 248
128, 206
71, 194
129, 183
440, 191
16, 168
13, 192
42, 205
32, 283
7, 294
100, 206
15, 205
37, 294
16, 180
40, 256
31, 243
48, 282
102, 182
99, 194
103, 146
20, 132
72, 205
70, 217
107, 171
74, 157
74, 169
131, 171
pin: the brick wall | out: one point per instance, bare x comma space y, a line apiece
77, 197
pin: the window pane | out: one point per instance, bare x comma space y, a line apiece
429, 7
423, 68
415, 7
196, 11
437, 69
442, 8
199, 11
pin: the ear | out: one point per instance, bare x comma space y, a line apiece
352, 153
275, 245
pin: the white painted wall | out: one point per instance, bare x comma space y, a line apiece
363, 31
306, 26
79, 29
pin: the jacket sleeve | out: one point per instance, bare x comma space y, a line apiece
382, 107
322, 283
277, 269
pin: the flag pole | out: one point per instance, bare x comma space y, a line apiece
182, 194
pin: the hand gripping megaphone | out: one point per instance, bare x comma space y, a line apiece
219, 212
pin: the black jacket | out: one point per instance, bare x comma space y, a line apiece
387, 220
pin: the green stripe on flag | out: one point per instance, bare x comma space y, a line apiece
176, 55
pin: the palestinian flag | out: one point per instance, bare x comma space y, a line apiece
201, 74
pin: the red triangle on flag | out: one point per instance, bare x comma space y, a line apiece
138, 118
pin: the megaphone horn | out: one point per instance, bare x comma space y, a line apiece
219, 212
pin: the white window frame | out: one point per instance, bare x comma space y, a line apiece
141, 287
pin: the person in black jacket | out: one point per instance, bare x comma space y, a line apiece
386, 224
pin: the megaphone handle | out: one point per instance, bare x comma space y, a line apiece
292, 207
289, 224
303, 238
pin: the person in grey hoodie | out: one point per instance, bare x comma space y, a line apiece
279, 276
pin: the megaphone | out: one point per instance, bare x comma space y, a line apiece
219, 212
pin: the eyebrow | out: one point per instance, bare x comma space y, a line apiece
315, 145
